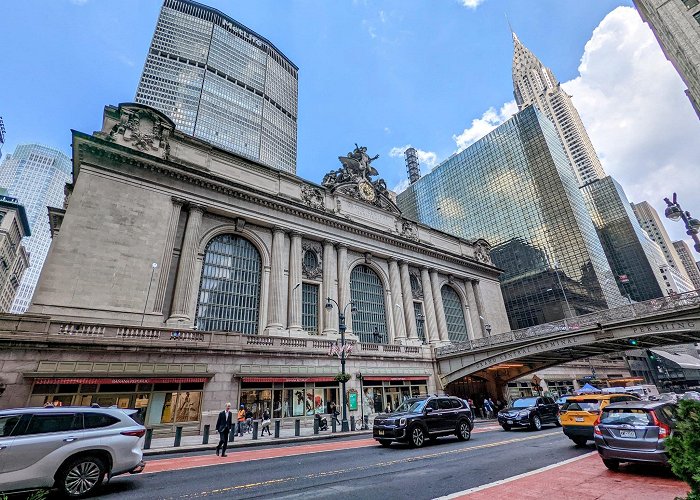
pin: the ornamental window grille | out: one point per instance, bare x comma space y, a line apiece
367, 294
416, 288
309, 307
454, 314
229, 290
420, 320
310, 260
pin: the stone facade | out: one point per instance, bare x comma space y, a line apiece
124, 277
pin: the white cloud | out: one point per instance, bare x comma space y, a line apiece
471, 4
425, 158
482, 126
401, 186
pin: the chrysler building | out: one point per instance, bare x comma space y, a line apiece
533, 83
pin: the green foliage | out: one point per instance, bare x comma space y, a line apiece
342, 377
36, 495
684, 446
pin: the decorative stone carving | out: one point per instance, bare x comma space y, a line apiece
355, 179
482, 251
141, 128
407, 229
313, 197
312, 272
416, 285
240, 224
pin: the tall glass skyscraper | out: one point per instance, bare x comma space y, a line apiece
630, 253
36, 175
515, 188
223, 83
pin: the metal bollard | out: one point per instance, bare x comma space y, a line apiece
277, 428
147, 441
297, 427
205, 436
232, 434
178, 436
255, 430
333, 426
315, 426
352, 423
366, 422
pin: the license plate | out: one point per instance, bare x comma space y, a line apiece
627, 434
510, 421
578, 419
380, 432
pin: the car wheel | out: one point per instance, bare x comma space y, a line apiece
536, 423
417, 437
385, 443
463, 431
611, 464
506, 427
81, 476
579, 441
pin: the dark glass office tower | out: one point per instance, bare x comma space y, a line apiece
516, 189
629, 252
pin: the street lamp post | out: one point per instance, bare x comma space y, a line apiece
153, 270
692, 225
341, 328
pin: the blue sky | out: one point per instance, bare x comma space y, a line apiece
384, 74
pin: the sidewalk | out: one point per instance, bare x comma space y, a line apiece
583, 478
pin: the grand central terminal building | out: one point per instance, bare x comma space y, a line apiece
181, 277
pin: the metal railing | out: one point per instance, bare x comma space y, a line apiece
636, 310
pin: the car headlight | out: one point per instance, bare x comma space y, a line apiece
402, 422
523, 413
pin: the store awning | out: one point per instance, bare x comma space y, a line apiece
121, 380
288, 379
391, 379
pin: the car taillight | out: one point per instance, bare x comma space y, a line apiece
664, 430
596, 430
137, 433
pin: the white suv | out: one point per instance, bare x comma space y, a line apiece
70, 448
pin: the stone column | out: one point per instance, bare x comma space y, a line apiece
330, 317
167, 257
344, 284
431, 328
439, 307
479, 307
275, 313
397, 301
475, 325
184, 286
295, 274
407, 295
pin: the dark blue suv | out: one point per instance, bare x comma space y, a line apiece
418, 419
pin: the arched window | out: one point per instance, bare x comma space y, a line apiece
367, 293
454, 314
229, 291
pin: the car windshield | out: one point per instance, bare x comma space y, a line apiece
524, 403
582, 406
411, 406
630, 416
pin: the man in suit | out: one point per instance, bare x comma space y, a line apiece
223, 427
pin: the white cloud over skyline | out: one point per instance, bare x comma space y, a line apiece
482, 126
471, 4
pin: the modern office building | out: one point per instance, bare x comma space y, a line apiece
222, 82
650, 221
676, 25
515, 188
14, 258
535, 84
36, 175
688, 262
629, 252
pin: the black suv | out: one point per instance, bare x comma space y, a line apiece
530, 412
427, 417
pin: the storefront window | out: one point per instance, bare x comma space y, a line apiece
188, 406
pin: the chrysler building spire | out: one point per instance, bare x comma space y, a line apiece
534, 83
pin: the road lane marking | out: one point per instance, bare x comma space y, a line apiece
183, 463
359, 468
460, 494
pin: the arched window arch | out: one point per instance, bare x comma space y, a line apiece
367, 293
454, 314
229, 290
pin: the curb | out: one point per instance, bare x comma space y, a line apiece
249, 444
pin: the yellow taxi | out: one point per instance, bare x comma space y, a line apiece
579, 414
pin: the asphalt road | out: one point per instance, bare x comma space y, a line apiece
367, 472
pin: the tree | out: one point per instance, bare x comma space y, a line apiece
683, 446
